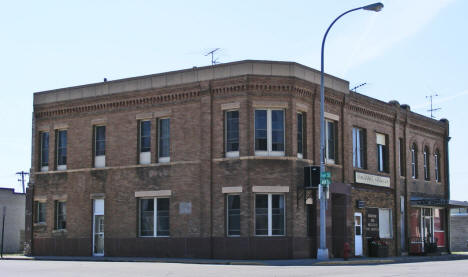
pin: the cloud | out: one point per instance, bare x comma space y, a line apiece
399, 20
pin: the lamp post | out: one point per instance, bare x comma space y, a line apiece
322, 252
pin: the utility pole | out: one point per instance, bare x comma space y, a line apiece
23, 174
432, 109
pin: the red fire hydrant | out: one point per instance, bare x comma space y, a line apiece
346, 251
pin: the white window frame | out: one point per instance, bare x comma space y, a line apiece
381, 152
145, 157
231, 154
155, 217
57, 142
269, 151
270, 215
44, 168
227, 214
390, 225
427, 174
358, 160
413, 162
99, 160
168, 158
436, 166
327, 146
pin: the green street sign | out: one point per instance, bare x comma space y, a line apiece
325, 174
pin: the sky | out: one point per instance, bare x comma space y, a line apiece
409, 50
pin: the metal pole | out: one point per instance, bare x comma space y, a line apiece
322, 252
3, 230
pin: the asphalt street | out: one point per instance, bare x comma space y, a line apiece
116, 269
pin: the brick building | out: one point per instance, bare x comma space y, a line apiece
208, 162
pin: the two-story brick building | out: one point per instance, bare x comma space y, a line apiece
208, 162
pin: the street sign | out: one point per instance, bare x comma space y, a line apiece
325, 174
325, 178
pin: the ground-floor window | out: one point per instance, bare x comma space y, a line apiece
269, 215
154, 217
233, 215
60, 215
427, 226
385, 223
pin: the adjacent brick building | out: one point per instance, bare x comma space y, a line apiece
208, 162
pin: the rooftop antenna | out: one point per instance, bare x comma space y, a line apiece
213, 60
432, 109
358, 86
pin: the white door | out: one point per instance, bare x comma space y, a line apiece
358, 234
98, 227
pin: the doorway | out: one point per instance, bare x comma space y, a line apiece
98, 227
358, 234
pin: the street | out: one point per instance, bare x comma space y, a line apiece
115, 269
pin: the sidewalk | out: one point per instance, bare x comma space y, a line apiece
292, 262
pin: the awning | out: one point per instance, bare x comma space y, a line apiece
429, 202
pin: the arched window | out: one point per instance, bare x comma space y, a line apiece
427, 174
437, 165
414, 161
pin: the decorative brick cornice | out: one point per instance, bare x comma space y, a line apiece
370, 113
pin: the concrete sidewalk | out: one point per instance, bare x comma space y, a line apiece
291, 262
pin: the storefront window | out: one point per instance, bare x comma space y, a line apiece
415, 231
439, 230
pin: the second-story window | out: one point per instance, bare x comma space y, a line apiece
99, 146
330, 141
436, 165
44, 155
164, 140
231, 134
382, 152
61, 143
269, 132
145, 142
427, 175
414, 161
300, 135
402, 158
359, 148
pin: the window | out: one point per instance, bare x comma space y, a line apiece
385, 223
427, 175
231, 134
414, 161
44, 155
39, 212
330, 141
99, 146
359, 148
269, 215
402, 158
233, 215
436, 165
145, 141
61, 143
154, 210
269, 132
60, 217
300, 135
382, 153
164, 140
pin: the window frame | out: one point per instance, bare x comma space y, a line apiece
414, 161
59, 149
382, 154
359, 151
144, 157
44, 152
40, 206
155, 217
270, 214
227, 215
230, 154
300, 134
60, 205
427, 172
329, 160
437, 165
164, 159
99, 160
402, 157
269, 151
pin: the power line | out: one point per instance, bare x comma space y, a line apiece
23, 174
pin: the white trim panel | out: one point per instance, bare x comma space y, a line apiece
270, 189
153, 193
232, 189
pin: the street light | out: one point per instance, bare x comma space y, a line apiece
322, 252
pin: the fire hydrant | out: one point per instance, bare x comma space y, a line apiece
346, 251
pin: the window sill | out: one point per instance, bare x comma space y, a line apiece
269, 153
153, 237
62, 167
39, 224
164, 159
59, 232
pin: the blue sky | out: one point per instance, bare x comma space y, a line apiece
407, 51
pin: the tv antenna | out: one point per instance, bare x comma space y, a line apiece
358, 86
213, 60
432, 109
